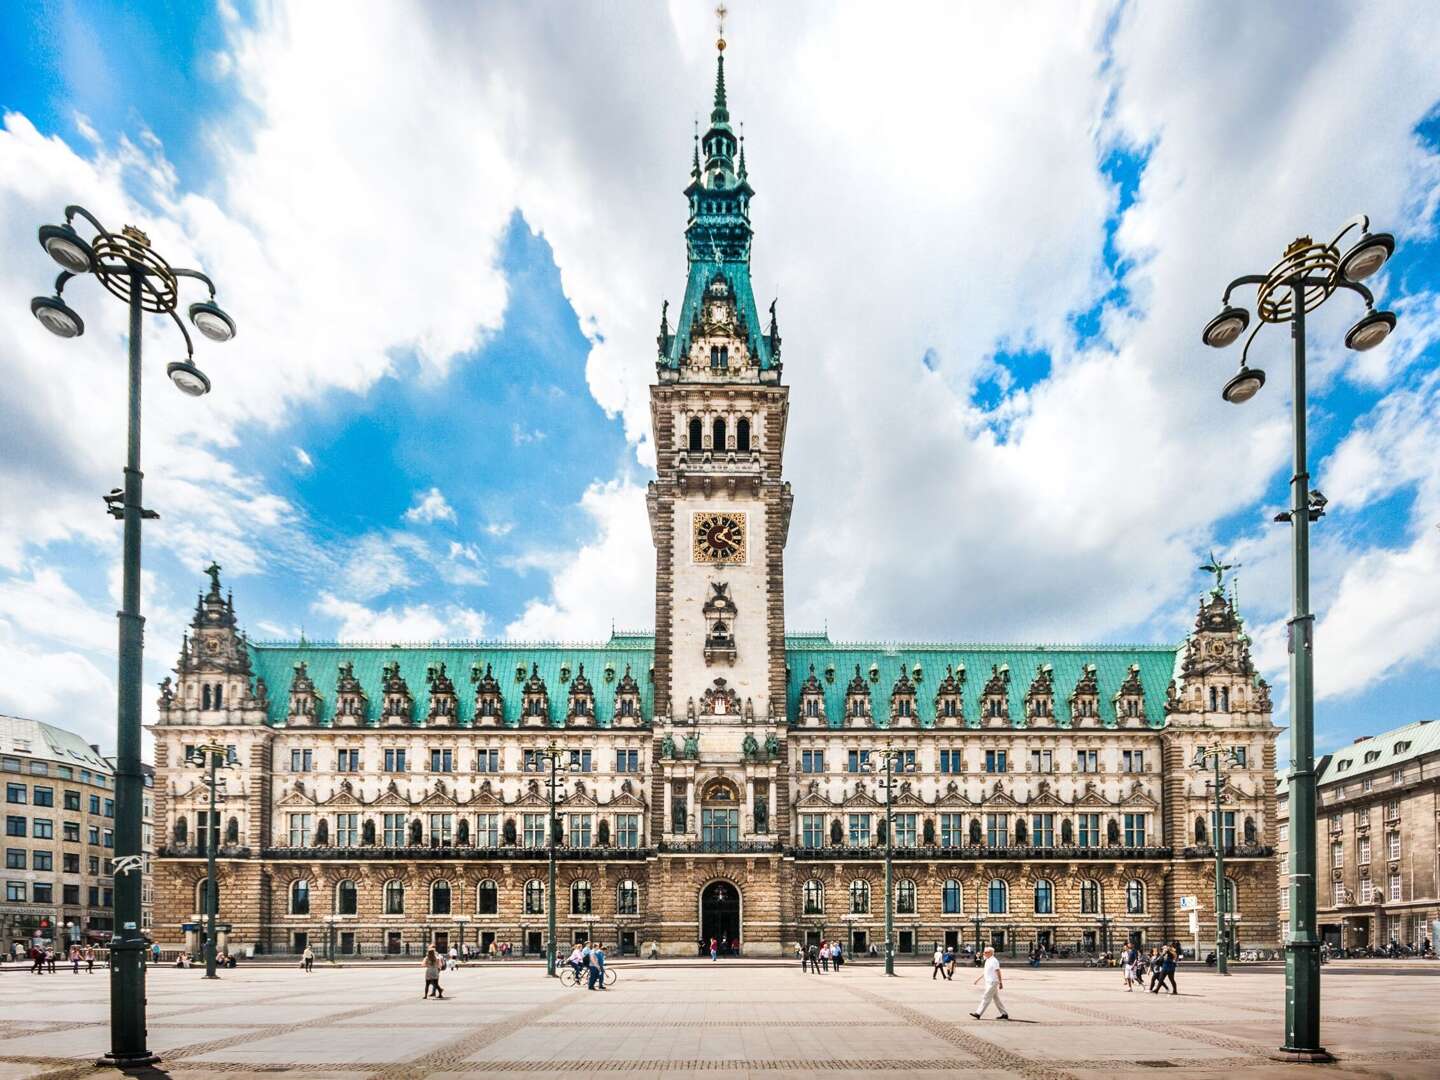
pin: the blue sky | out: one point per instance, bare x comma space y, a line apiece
446, 239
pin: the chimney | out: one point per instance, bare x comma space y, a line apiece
95, 747
1359, 740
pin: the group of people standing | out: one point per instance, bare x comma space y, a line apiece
1160, 963
817, 958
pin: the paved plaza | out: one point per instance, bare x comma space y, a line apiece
735, 1019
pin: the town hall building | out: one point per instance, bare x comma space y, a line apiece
721, 778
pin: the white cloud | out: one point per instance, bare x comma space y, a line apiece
430, 507
607, 581
521, 436
303, 459
376, 565
408, 623
58, 686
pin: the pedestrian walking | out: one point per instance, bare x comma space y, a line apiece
1168, 963
597, 966
50, 960
937, 963
1128, 956
432, 974
812, 959
454, 958
90, 959
307, 958
837, 954
74, 959
994, 983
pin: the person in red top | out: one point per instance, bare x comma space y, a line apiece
714, 949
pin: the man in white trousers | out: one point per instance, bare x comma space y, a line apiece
993, 985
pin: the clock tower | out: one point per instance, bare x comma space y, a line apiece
719, 510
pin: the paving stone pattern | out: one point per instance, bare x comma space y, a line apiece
732, 1019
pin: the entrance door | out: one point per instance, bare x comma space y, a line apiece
997, 939
487, 938
533, 943
1045, 939
1087, 941
719, 913
952, 939
812, 937
627, 942
442, 942
907, 941
859, 942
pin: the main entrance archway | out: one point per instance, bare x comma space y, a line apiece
719, 916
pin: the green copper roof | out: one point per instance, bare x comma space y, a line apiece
880, 666
1382, 752
605, 664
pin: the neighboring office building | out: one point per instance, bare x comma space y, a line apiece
1378, 839
59, 807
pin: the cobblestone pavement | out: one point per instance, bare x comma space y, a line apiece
718, 1020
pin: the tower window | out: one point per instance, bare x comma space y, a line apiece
724, 357
742, 433
714, 357
696, 436
718, 440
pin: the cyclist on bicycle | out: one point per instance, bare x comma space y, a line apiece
577, 961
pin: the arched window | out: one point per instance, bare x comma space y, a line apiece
999, 897
1044, 897
814, 897
580, 897
200, 904
1135, 898
440, 898
724, 357
300, 897
742, 433
394, 898
714, 357
1089, 897
534, 897
1214, 700
487, 898
717, 439
219, 696
205, 696
859, 897
627, 898
952, 898
345, 898
1224, 699
905, 897
697, 441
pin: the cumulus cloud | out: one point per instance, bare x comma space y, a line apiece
406, 623
430, 507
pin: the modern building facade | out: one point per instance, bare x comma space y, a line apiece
59, 837
725, 777
1378, 840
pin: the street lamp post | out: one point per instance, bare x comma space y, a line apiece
1215, 754
211, 756
977, 920
461, 921
128, 268
552, 754
1104, 921
1306, 276
890, 754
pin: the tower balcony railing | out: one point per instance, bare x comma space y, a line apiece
978, 853
450, 853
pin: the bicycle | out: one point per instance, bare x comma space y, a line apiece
569, 978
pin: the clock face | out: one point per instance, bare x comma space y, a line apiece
719, 538
212, 646
1217, 648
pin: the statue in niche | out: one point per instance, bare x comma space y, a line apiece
750, 747
772, 746
667, 747
837, 833
692, 747
762, 815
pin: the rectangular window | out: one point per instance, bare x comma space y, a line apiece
42, 892
442, 830
302, 829
71, 862
72, 801
110, 808
347, 760
70, 894
859, 830
812, 761
719, 827
1227, 833
1367, 783
1392, 842
812, 830
534, 830
1394, 888
347, 830
627, 830
395, 759
15, 891
94, 834
1087, 761
1042, 830
533, 761
997, 830
1132, 760
994, 761
1284, 833
302, 760
580, 830
487, 830
1088, 834
15, 793
904, 761
394, 825
1363, 856
1134, 830
93, 864
580, 759
44, 796
14, 858
1392, 810
1367, 891
1337, 854
43, 829
42, 860
1242, 756
487, 760
442, 760
627, 761
14, 826
904, 831
857, 761
950, 761
952, 830
1042, 761
94, 804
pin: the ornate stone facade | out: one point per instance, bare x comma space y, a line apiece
724, 779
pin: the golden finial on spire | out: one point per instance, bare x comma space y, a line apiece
720, 12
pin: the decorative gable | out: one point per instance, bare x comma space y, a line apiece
857, 701
304, 700
1040, 699
902, 701
812, 701
995, 698
535, 700
398, 704
1130, 700
949, 698
580, 704
719, 612
627, 702
489, 707
350, 702
1085, 699
443, 701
